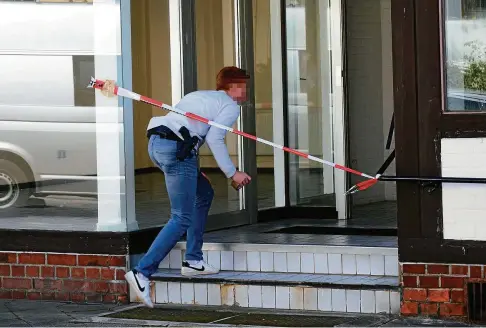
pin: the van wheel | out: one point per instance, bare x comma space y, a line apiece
13, 192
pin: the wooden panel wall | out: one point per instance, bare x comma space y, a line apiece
151, 67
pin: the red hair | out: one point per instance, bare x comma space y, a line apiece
228, 75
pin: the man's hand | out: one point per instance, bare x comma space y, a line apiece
241, 178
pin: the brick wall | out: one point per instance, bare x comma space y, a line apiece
63, 277
436, 289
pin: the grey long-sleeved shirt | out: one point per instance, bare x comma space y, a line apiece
216, 106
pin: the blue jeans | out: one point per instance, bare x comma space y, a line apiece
190, 196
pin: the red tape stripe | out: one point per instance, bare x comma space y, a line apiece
296, 152
197, 117
151, 101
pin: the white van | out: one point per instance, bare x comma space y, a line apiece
47, 115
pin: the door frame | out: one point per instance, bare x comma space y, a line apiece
337, 25
333, 23
183, 39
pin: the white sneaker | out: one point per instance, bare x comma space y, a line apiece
198, 268
141, 285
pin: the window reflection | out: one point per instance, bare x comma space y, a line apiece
465, 42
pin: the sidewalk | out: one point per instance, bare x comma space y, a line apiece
21, 313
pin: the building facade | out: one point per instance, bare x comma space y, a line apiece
354, 82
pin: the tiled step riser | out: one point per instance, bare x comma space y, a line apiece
294, 262
278, 297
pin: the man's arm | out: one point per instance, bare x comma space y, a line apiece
215, 139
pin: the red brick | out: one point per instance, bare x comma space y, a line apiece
5, 294
18, 271
17, 283
437, 269
452, 282
109, 298
107, 273
32, 271
475, 272
61, 259
460, 270
120, 274
76, 286
414, 294
48, 284
457, 296
99, 287
118, 288
429, 282
34, 296
77, 273
98, 260
123, 299
62, 296
5, 270
410, 281
438, 295
62, 272
451, 309
18, 295
409, 308
93, 273
8, 258
32, 258
431, 309
48, 296
77, 297
414, 268
47, 272
95, 298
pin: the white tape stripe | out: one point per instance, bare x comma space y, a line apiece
129, 94
219, 126
320, 160
268, 143
173, 109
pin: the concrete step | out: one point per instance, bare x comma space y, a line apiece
299, 291
322, 259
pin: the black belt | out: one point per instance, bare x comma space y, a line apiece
185, 146
163, 132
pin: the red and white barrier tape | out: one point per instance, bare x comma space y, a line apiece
116, 90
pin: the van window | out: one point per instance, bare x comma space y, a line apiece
46, 80
83, 70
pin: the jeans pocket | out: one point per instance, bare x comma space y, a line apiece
162, 152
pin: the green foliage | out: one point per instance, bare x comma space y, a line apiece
472, 74
475, 76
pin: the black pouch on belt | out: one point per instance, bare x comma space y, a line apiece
185, 147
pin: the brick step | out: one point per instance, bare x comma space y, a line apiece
313, 292
322, 259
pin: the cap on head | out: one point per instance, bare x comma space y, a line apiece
229, 75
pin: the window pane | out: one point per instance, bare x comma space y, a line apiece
61, 146
215, 49
465, 41
309, 111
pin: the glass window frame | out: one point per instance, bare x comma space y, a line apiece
442, 9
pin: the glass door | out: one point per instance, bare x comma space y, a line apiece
315, 114
212, 35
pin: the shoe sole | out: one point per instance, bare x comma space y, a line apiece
190, 273
130, 278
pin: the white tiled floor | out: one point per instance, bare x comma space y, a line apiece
280, 297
